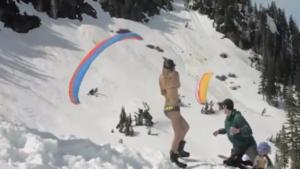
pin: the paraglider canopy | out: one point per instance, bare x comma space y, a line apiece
202, 88
84, 65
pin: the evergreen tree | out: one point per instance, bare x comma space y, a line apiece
297, 84
128, 126
292, 135
283, 152
122, 121
249, 26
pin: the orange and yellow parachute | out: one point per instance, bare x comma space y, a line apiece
202, 87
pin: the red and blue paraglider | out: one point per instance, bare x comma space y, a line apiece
84, 65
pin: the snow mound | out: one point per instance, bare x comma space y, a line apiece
24, 147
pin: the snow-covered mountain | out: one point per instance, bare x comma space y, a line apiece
41, 128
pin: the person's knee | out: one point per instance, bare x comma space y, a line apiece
184, 124
186, 127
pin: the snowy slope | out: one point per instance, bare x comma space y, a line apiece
24, 147
36, 69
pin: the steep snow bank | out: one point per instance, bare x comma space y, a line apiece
24, 147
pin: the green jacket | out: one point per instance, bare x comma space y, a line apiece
244, 138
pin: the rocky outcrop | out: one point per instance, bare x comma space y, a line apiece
22, 23
136, 10
72, 9
11, 17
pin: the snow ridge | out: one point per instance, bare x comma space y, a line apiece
29, 148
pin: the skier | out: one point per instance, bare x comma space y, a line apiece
262, 160
239, 133
169, 84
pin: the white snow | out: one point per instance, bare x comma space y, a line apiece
24, 147
41, 128
271, 24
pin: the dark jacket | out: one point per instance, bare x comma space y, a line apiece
244, 138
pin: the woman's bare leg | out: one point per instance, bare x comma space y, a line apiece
185, 126
180, 128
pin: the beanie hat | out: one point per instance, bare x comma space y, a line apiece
263, 148
169, 63
228, 103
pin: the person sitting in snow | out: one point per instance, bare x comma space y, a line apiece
239, 133
204, 109
139, 117
211, 109
93, 92
262, 160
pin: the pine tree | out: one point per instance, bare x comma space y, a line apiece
297, 84
40, 5
283, 152
290, 100
128, 126
122, 121
292, 135
294, 43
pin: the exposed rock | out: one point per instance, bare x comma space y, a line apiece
22, 23
222, 77
150, 46
157, 48
223, 55
235, 87
136, 10
123, 30
232, 75
11, 17
72, 9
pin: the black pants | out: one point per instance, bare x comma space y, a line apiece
235, 158
238, 152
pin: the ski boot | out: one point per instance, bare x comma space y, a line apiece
174, 158
181, 152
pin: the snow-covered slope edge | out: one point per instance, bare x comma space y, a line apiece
24, 147
36, 68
